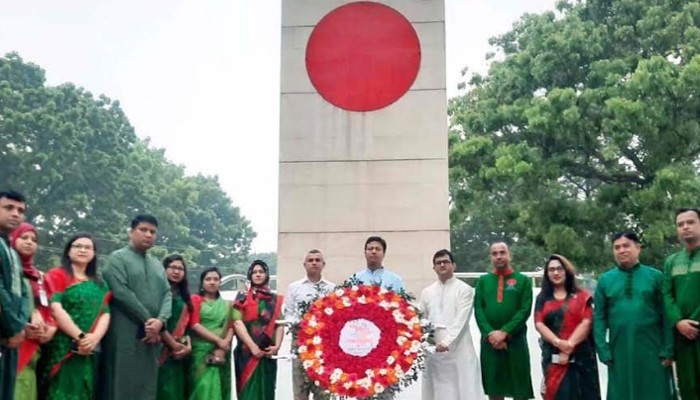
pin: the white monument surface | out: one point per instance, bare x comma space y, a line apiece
363, 136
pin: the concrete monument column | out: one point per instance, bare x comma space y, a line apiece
363, 136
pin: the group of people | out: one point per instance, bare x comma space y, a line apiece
134, 331
640, 323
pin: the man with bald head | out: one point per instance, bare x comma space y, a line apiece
502, 305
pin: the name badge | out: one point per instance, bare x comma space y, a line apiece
43, 298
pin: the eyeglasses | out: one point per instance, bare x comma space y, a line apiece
86, 247
555, 269
443, 262
176, 268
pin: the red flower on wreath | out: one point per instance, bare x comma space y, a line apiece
390, 342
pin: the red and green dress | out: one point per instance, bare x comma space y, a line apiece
503, 301
259, 310
66, 375
173, 376
577, 380
210, 381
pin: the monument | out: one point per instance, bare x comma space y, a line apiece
363, 136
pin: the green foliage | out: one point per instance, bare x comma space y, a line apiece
82, 168
586, 123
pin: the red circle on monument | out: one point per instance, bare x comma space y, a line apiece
363, 56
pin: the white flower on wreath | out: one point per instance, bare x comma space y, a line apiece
362, 300
407, 353
401, 340
307, 364
411, 308
369, 373
335, 376
378, 387
316, 340
390, 360
394, 304
398, 317
339, 292
318, 353
347, 385
317, 383
328, 311
320, 370
355, 288
415, 321
302, 349
383, 371
346, 301
365, 383
415, 346
383, 291
313, 323
384, 304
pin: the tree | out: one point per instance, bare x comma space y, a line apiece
82, 168
586, 123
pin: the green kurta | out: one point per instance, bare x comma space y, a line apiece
140, 290
629, 306
505, 307
682, 297
14, 300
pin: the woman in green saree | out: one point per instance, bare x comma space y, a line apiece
80, 307
173, 375
210, 368
255, 318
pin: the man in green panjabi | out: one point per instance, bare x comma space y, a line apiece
629, 307
502, 306
682, 296
14, 295
140, 307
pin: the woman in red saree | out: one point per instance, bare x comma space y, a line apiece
80, 308
42, 327
255, 318
563, 317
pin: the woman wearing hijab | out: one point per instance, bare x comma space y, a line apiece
210, 369
42, 327
255, 318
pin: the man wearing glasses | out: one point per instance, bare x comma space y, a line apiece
452, 371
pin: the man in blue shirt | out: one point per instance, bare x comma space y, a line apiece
375, 273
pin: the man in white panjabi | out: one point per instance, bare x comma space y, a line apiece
452, 372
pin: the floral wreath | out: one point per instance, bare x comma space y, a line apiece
360, 341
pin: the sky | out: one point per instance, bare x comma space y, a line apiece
201, 78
